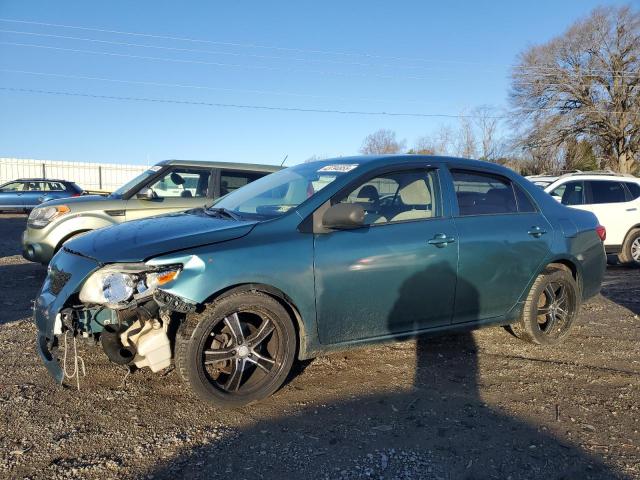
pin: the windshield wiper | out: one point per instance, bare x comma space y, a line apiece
222, 212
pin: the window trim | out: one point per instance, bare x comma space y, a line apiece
488, 173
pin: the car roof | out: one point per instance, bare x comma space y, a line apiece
230, 165
400, 159
40, 180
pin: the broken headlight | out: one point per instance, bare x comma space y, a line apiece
115, 285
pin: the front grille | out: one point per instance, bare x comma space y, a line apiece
57, 280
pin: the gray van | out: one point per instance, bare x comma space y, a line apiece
169, 186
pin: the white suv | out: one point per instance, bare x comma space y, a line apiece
614, 199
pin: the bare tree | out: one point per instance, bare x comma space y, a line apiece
439, 143
466, 145
486, 121
584, 84
381, 142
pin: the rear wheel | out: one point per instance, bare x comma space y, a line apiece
238, 351
630, 253
550, 309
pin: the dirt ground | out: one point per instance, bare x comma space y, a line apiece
468, 406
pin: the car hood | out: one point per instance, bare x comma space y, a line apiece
140, 240
80, 201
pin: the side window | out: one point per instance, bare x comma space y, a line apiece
12, 187
570, 193
230, 181
53, 187
607, 192
182, 182
634, 189
397, 197
33, 186
525, 204
483, 194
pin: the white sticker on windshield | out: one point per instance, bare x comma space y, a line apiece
155, 168
339, 167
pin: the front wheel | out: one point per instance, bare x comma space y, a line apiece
238, 351
550, 309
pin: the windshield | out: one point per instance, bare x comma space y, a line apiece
133, 182
276, 194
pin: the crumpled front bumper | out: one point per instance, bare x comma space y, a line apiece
66, 274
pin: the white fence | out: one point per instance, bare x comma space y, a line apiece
90, 176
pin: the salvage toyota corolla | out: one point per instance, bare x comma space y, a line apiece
320, 257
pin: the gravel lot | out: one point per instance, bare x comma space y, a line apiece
474, 405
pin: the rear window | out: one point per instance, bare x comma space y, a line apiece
607, 192
483, 194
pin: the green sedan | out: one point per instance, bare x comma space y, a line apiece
319, 257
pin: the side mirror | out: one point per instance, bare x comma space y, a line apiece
342, 216
146, 194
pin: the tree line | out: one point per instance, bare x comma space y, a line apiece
574, 104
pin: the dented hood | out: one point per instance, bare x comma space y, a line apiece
140, 240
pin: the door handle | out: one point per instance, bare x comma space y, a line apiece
536, 232
631, 209
441, 240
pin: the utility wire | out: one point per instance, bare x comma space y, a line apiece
286, 109
299, 50
206, 87
264, 57
235, 65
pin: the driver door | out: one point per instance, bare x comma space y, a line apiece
396, 274
178, 189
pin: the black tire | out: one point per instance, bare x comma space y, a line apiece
250, 341
630, 254
550, 309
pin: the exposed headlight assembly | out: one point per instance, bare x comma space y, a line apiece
43, 216
115, 285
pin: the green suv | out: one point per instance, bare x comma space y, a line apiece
169, 186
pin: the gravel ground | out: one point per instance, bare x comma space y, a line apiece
474, 405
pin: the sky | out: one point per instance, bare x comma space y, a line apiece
196, 59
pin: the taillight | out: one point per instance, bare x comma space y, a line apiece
76, 194
602, 232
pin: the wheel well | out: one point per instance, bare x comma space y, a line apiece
635, 228
276, 294
570, 267
68, 237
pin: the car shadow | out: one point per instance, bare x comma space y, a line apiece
19, 285
437, 427
615, 286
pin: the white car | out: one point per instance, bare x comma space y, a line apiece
614, 199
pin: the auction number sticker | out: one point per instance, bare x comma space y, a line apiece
339, 167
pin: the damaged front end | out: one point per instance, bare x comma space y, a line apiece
121, 305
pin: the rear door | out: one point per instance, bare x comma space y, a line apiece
503, 240
31, 193
177, 189
611, 203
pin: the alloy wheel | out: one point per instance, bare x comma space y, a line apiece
635, 249
555, 309
242, 353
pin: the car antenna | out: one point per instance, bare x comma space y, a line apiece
284, 159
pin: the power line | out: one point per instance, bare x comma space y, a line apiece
206, 87
285, 109
264, 57
298, 50
236, 105
233, 65
217, 64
